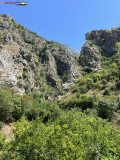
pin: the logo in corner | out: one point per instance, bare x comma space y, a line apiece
22, 3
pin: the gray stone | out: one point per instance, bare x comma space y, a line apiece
90, 56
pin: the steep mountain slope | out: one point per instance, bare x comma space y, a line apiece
28, 62
72, 51
98, 88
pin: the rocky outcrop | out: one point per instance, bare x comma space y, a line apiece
61, 68
105, 40
90, 56
99, 43
9, 69
29, 62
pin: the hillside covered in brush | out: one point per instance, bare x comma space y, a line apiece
54, 106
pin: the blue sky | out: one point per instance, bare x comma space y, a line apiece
65, 21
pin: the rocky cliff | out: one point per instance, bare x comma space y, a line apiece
28, 62
100, 43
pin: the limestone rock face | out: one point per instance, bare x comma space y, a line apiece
61, 66
99, 43
25, 54
29, 62
105, 40
90, 56
9, 69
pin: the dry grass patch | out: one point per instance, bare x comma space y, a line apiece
7, 130
14, 49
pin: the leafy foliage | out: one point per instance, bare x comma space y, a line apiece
10, 106
13, 107
72, 136
106, 109
82, 102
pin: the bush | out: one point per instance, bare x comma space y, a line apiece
27, 88
82, 102
25, 72
106, 92
104, 81
89, 82
37, 96
29, 41
113, 87
10, 106
83, 89
36, 62
106, 109
34, 105
69, 103
86, 102
88, 70
19, 84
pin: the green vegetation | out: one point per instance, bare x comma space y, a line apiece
25, 72
19, 84
29, 41
106, 92
78, 127
98, 91
14, 38
13, 106
82, 102
10, 106
83, 125
36, 62
73, 135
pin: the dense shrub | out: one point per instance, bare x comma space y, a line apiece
82, 102
72, 136
106, 109
88, 70
25, 72
29, 41
83, 89
27, 88
89, 82
19, 84
10, 106
35, 105
106, 92
83, 85
113, 87
69, 103
104, 81
86, 102
13, 106
37, 96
